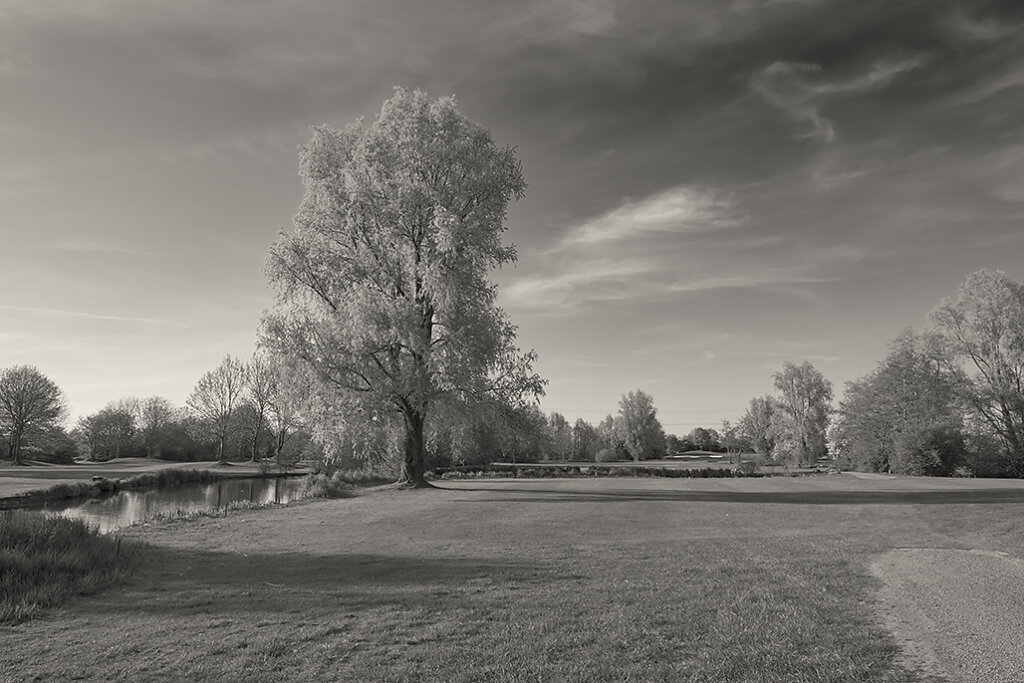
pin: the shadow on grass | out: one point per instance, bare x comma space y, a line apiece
965, 497
179, 583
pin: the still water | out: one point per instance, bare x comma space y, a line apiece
128, 507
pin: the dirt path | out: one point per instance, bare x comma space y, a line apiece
958, 613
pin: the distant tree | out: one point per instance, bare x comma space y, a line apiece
261, 383
981, 332
109, 431
282, 408
903, 417
733, 441
384, 300
802, 419
705, 439
586, 441
642, 434
30, 404
560, 437
155, 416
215, 398
756, 425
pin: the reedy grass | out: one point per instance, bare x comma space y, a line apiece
44, 560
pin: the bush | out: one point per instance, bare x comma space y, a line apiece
606, 455
747, 468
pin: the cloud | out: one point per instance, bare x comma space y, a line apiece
681, 209
78, 314
798, 90
984, 30
91, 244
669, 244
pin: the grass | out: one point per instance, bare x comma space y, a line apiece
44, 560
634, 579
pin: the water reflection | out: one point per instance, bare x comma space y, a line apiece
128, 507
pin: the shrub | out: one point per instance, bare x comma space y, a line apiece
747, 468
606, 455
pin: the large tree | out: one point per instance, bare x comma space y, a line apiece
982, 333
804, 405
215, 399
30, 404
384, 300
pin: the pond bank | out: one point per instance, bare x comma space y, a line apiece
33, 485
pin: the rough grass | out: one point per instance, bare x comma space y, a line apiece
44, 560
636, 579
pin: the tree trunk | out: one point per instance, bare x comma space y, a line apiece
16, 447
412, 464
220, 453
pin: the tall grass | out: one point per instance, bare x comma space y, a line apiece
44, 560
320, 485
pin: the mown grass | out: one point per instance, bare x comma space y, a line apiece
44, 560
751, 580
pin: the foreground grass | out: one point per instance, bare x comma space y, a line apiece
582, 580
44, 560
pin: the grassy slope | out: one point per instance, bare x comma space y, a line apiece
615, 579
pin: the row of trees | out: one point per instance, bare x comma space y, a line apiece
947, 400
238, 409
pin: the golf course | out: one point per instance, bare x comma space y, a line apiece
773, 579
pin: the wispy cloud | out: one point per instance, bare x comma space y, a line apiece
666, 245
681, 209
800, 91
78, 314
983, 30
91, 244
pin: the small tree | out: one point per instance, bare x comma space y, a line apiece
30, 403
215, 398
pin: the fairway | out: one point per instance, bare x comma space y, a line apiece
583, 580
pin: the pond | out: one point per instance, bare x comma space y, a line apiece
129, 507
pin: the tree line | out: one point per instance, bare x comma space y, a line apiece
237, 410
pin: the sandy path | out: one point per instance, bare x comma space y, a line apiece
958, 613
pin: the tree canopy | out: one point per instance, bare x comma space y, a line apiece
383, 297
30, 404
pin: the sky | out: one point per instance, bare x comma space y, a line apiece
716, 187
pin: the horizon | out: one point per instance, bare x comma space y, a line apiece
714, 188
